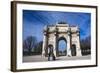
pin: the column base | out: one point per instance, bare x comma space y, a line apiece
69, 53
55, 53
78, 52
43, 55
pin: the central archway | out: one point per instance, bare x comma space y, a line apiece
62, 45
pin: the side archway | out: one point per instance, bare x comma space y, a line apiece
73, 50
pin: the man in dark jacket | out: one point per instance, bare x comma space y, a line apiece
50, 53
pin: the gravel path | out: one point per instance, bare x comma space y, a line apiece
39, 58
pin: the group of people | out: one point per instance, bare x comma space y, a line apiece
51, 56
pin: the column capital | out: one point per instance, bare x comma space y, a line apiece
69, 33
55, 34
45, 33
78, 33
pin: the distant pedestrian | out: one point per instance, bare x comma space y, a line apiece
50, 53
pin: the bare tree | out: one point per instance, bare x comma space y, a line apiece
38, 47
29, 43
86, 45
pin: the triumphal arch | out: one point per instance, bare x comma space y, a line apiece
61, 31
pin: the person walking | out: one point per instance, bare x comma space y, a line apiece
50, 53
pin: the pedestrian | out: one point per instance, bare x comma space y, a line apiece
50, 53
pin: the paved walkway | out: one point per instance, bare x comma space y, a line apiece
39, 58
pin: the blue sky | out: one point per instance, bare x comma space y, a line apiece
62, 45
34, 22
